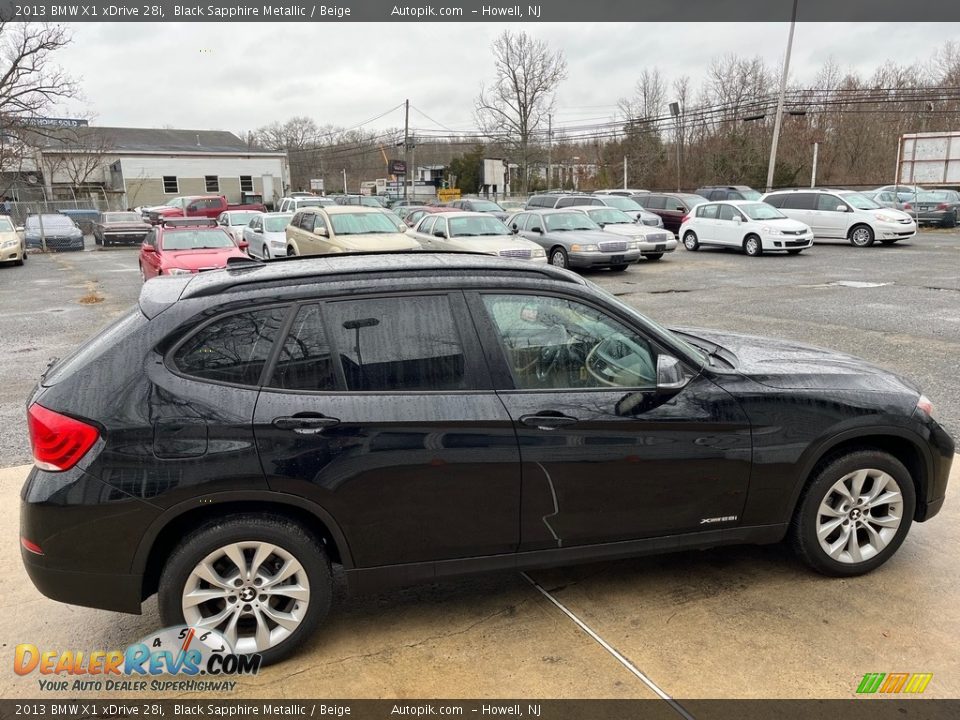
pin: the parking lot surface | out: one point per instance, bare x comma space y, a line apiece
730, 622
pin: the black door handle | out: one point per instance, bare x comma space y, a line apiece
305, 425
544, 421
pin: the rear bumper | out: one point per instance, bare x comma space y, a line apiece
120, 593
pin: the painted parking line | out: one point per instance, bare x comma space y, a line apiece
633, 669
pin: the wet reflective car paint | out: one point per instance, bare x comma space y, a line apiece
419, 480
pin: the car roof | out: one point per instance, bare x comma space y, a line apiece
467, 213
342, 209
545, 211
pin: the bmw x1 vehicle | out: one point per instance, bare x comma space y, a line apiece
412, 416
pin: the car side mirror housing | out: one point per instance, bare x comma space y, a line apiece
20, 228
841, 208
514, 229
737, 219
243, 244
439, 234
537, 229
322, 232
671, 377
149, 248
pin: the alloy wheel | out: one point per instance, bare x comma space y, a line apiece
256, 594
859, 516
861, 237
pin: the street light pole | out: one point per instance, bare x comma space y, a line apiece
675, 111
780, 99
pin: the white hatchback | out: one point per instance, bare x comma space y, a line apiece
754, 227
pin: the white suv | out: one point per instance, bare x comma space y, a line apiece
753, 226
842, 214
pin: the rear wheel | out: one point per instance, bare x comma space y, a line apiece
854, 514
690, 241
752, 246
261, 581
861, 236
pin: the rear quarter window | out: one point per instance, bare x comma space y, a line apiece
232, 348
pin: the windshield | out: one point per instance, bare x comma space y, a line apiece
761, 211
485, 206
119, 217
5, 225
938, 196
609, 216
174, 202
242, 218
622, 203
484, 225
196, 240
276, 223
309, 202
860, 202
565, 221
361, 223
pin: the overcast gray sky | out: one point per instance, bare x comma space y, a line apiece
238, 76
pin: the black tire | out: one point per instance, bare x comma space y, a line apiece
795, 252
618, 268
291, 252
558, 258
654, 256
690, 241
950, 221
273, 529
97, 240
753, 246
266, 253
861, 236
803, 530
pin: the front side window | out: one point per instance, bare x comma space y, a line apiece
426, 225
569, 221
233, 348
276, 223
860, 202
400, 343
554, 343
727, 212
830, 203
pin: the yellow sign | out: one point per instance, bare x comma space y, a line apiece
448, 194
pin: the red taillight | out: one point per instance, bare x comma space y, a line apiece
58, 441
942, 206
30, 546
907, 206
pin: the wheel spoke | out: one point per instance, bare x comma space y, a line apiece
263, 631
853, 546
856, 483
825, 509
290, 567
841, 489
891, 497
284, 620
198, 596
886, 521
205, 571
264, 551
236, 556
876, 541
835, 548
230, 631
296, 592
212, 621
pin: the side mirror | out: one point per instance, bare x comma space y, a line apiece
20, 228
670, 376
737, 219
439, 234
537, 229
322, 232
149, 248
841, 208
514, 229
243, 244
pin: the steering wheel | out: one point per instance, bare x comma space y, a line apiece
550, 355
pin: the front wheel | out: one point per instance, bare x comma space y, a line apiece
854, 514
690, 241
558, 258
261, 581
861, 236
752, 246
291, 252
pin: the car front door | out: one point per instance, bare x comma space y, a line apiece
728, 227
830, 219
380, 410
605, 457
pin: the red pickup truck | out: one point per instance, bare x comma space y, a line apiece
209, 206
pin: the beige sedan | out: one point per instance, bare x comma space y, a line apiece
13, 248
474, 232
344, 228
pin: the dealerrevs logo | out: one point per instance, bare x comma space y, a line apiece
184, 651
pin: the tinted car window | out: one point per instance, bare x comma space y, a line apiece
708, 211
426, 226
232, 348
405, 343
655, 202
775, 200
305, 361
829, 202
799, 201
552, 342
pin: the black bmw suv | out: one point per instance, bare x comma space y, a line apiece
414, 416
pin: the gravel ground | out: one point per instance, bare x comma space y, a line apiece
906, 319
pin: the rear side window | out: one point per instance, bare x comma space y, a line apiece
799, 201
400, 343
656, 202
305, 361
233, 348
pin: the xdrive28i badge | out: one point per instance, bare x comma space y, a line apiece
182, 650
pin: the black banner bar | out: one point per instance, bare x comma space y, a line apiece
491, 11
873, 708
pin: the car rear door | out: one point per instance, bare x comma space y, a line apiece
800, 206
379, 409
828, 220
592, 474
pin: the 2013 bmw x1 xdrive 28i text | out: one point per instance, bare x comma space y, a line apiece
413, 416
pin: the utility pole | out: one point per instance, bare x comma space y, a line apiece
624, 172
406, 144
549, 151
813, 171
345, 181
675, 111
413, 161
783, 92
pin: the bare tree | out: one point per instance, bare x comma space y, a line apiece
78, 155
30, 85
516, 105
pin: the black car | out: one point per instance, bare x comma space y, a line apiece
120, 228
414, 416
56, 231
